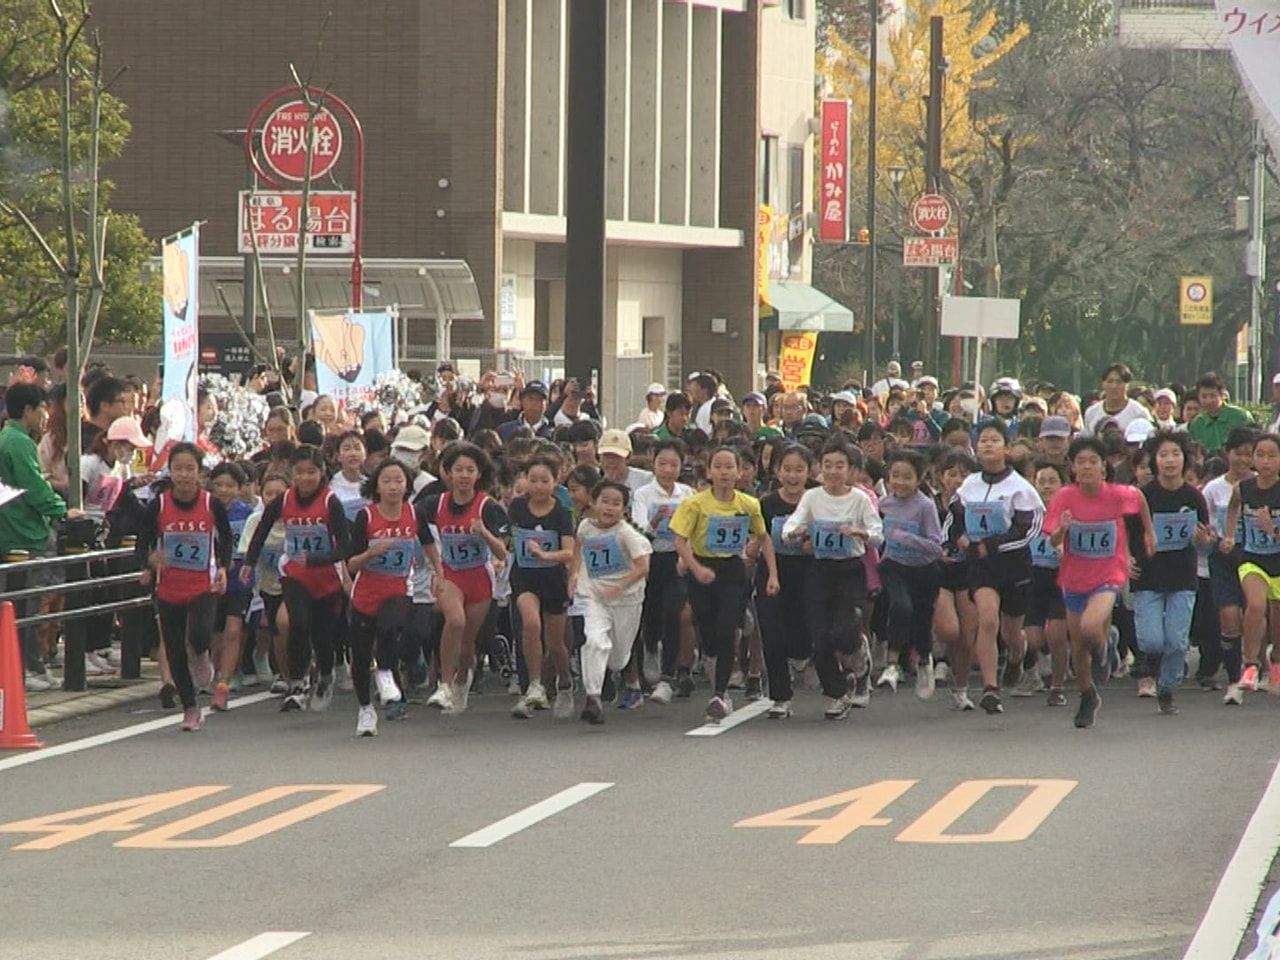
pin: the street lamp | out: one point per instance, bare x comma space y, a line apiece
897, 173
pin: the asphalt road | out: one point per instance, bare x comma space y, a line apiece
1114, 851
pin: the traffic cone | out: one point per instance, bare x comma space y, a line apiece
15, 734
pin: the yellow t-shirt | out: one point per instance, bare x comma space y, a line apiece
718, 528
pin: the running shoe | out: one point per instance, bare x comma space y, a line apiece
322, 694
719, 707
296, 699
662, 693
419, 671
1147, 687
652, 666
563, 707
942, 673
990, 702
221, 694
1234, 696
168, 696
737, 681
262, 664
859, 694
92, 668
192, 720
278, 685
780, 710
388, 692
632, 699
367, 722
513, 685
397, 709
1029, 685
685, 686
960, 700
1090, 704
461, 691
755, 689
1167, 707
523, 710
926, 682
837, 708
890, 677
442, 699
475, 683
342, 678
1249, 679
38, 683
201, 670
593, 711
1057, 698
537, 696
246, 680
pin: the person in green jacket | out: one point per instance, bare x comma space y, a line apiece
25, 522
1217, 417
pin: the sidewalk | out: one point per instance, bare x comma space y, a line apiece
103, 693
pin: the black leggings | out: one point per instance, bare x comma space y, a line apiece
180, 623
717, 610
382, 632
912, 593
665, 595
835, 592
784, 632
312, 622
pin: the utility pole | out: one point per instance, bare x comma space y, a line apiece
872, 97
1255, 263
584, 203
933, 181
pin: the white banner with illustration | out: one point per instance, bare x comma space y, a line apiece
180, 277
352, 349
1252, 29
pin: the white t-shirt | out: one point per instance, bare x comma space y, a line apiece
854, 508
598, 546
645, 507
1131, 411
650, 419
702, 418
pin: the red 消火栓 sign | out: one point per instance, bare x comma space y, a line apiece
284, 141
931, 213
833, 200
273, 216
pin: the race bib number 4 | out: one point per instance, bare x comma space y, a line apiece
545, 541
1043, 554
305, 538
985, 519
1095, 541
603, 556
463, 551
727, 534
1173, 530
187, 551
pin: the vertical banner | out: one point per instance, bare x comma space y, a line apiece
352, 350
764, 236
180, 273
795, 365
1195, 301
1252, 29
834, 224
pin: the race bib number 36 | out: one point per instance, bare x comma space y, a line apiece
1173, 530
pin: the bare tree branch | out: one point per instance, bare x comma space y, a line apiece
36, 235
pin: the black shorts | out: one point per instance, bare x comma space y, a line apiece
231, 605
1009, 575
549, 586
954, 577
1046, 598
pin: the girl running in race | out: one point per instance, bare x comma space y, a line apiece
185, 544
349, 482
1224, 567
782, 617
712, 531
909, 565
383, 548
955, 620
1086, 521
472, 528
1002, 515
274, 623
666, 593
1046, 621
611, 560
543, 532
1256, 501
315, 527
1164, 593
840, 524
227, 484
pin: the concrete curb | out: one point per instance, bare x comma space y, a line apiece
90, 702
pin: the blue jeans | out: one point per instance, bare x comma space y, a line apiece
1163, 623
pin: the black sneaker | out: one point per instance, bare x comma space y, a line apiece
295, 700
685, 686
755, 690
1090, 704
593, 712
990, 702
1167, 707
1057, 698
168, 694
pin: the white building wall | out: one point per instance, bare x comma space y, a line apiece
518, 261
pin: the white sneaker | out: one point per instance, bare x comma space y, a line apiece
367, 722
1234, 696
809, 676
780, 710
38, 683
442, 699
1028, 685
942, 673
960, 700
662, 693
388, 692
737, 680
563, 708
262, 664
537, 696
719, 707
99, 661
925, 681
342, 678
459, 695
1147, 687
652, 666
92, 668
321, 694
890, 677
859, 694
837, 708
279, 685
523, 709
513, 686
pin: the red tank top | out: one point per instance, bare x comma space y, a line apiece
186, 544
387, 575
460, 549
306, 530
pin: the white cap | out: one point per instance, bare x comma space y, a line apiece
655, 389
1172, 397
1138, 431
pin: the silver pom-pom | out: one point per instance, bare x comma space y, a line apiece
394, 395
237, 429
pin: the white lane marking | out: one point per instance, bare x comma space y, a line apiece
1227, 919
527, 817
732, 720
260, 946
124, 733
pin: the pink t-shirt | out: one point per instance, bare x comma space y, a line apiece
1096, 551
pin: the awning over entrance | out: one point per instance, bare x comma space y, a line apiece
798, 306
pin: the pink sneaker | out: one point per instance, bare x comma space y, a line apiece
221, 694
192, 720
1249, 679
202, 671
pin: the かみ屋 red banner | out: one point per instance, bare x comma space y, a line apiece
833, 204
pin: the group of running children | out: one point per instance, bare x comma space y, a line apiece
952, 552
